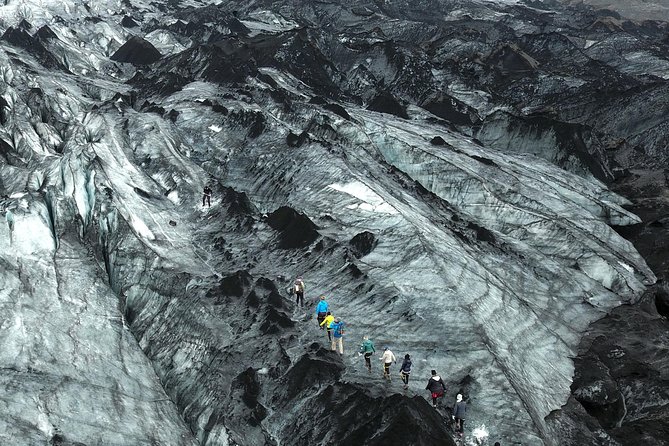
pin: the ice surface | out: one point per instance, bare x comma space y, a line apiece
371, 201
488, 266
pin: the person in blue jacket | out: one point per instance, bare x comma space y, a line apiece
338, 335
321, 311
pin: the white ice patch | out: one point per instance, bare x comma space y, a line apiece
260, 22
44, 425
173, 196
371, 201
480, 434
215, 128
31, 234
165, 42
141, 229
598, 269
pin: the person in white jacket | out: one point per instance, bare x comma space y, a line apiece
388, 358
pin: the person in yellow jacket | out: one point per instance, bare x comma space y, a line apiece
329, 319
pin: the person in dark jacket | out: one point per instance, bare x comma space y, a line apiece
405, 370
206, 195
299, 291
459, 411
436, 386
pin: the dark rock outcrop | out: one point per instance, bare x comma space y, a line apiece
128, 22
437, 141
296, 230
385, 102
395, 419
620, 381
137, 51
232, 285
363, 243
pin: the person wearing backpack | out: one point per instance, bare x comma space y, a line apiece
388, 358
327, 323
321, 311
206, 195
459, 411
405, 370
367, 349
338, 336
436, 387
299, 291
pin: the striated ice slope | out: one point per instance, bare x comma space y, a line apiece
488, 266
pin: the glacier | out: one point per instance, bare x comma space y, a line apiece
456, 228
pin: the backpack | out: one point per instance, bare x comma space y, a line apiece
299, 286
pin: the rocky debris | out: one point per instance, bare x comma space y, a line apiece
137, 51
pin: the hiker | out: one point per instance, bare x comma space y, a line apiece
321, 311
388, 358
299, 291
459, 411
367, 349
206, 195
327, 323
338, 335
436, 386
405, 370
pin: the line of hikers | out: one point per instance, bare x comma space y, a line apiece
335, 333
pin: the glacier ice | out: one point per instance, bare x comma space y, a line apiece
128, 300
